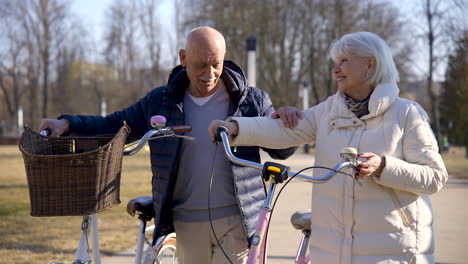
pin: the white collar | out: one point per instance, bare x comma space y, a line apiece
383, 96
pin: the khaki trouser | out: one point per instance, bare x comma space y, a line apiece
197, 245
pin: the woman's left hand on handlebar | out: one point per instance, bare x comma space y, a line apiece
373, 166
289, 116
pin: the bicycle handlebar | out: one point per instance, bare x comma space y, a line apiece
159, 131
181, 129
349, 154
171, 131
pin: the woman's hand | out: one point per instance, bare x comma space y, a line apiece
289, 115
232, 126
373, 166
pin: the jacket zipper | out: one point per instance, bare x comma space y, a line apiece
404, 217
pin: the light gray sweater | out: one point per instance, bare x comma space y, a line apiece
190, 200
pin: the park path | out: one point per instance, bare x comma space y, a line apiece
450, 211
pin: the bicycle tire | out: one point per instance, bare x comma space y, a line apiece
167, 253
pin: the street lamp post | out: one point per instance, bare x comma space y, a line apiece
251, 60
305, 105
20, 121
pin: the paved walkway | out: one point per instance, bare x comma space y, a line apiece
450, 210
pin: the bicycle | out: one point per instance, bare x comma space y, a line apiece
164, 249
278, 174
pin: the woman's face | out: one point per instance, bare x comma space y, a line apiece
350, 73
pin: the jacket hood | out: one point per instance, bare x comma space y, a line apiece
233, 77
383, 96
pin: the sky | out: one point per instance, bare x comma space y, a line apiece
93, 11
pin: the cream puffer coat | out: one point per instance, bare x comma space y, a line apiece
386, 219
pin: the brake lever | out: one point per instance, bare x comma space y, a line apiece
357, 162
354, 177
357, 180
185, 137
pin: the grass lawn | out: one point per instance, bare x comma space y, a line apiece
26, 239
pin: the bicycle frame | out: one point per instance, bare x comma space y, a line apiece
159, 131
258, 248
90, 222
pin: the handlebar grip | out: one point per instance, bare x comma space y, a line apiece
181, 129
45, 132
218, 133
158, 121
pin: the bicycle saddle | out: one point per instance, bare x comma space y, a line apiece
143, 204
301, 220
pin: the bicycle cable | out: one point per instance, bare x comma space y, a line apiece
209, 204
281, 189
85, 227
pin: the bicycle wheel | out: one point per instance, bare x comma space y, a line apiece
167, 253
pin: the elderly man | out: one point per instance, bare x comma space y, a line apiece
203, 88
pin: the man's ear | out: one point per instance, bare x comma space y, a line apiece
183, 57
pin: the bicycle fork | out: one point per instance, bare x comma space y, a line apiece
276, 174
301, 256
259, 242
90, 222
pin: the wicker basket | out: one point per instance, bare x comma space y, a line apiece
72, 175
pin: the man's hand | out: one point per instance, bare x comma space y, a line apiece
56, 126
232, 126
373, 166
289, 115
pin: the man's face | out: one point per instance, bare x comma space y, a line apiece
204, 67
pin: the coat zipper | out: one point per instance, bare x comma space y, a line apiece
404, 217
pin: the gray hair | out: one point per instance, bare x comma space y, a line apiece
367, 44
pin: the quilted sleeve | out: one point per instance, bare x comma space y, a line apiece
422, 170
270, 133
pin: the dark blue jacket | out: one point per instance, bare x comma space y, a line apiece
168, 101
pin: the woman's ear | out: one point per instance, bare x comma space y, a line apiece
372, 64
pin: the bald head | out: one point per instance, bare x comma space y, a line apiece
203, 59
206, 38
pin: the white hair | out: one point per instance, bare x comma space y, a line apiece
367, 44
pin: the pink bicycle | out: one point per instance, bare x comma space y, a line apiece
278, 174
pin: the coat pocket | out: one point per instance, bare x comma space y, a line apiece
405, 217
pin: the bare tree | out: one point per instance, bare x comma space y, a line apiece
431, 12
329, 20
46, 21
11, 72
444, 21
279, 32
183, 23
121, 50
150, 34
293, 37
37, 33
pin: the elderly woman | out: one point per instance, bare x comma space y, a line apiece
388, 218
